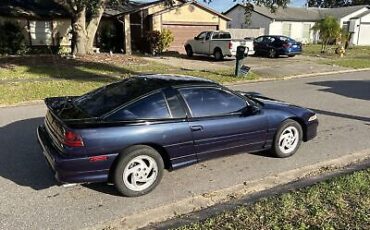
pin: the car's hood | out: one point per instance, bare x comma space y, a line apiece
269, 103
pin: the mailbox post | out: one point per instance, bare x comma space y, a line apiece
240, 53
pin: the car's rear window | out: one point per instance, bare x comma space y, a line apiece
105, 99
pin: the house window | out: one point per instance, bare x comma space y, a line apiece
40, 33
287, 29
306, 31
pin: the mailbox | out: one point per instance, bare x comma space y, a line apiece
240, 54
240, 51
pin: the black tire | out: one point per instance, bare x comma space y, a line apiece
189, 51
291, 55
124, 159
218, 55
275, 150
272, 53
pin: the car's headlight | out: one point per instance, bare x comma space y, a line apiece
312, 118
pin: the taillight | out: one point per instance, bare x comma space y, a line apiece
230, 45
71, 139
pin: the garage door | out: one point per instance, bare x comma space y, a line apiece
182, 33
364, 37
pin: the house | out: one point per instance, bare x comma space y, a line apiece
184, 19
298, 22
46, 24
122, 27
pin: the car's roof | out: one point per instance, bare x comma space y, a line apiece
166, 80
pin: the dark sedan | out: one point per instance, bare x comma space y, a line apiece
273, 46
128, 132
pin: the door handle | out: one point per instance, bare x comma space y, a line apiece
196, 128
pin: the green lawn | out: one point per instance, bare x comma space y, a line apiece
356, 57
36, 77
339, 203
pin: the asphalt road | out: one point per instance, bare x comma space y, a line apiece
30, 199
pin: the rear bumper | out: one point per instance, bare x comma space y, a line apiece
311, 130
290, 52
73, 169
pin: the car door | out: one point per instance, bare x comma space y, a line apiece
218, 124
206, 42
198, 43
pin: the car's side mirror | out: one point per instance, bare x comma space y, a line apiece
250, 110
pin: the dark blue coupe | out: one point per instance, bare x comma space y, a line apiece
274, 45
128, 132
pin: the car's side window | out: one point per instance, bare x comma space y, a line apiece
259, 39
201, 36
205, 102
208, 35
151, 107
216, 35
225, 36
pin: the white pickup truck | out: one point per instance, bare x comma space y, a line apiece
216, 43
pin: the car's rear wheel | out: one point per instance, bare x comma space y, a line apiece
139, 170
287, 139
272, 53
218, 55
291, 55
189, 51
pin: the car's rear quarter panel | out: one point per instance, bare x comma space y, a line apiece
174, 137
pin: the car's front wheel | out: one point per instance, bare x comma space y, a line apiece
287, 139
139, 170
189, 51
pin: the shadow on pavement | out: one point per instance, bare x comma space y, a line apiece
348, 116
21, 157
359, 89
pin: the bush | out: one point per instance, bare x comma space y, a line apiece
12, 40
159, 41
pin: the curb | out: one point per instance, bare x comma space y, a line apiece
198, 202
297, 76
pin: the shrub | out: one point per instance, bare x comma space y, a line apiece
165, 40
159, 41
12, 40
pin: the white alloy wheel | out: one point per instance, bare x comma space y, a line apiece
288, 140
140, 173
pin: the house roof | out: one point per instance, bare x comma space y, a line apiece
339, 12
130, 7
133, 6
302, 14
289, 13
198, 5
362, 14
32, 9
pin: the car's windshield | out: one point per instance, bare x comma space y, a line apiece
105, 99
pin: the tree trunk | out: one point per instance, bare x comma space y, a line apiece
92, 27
79, 33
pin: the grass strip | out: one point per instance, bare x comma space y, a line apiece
340, 203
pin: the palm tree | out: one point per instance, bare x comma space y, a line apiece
328, 29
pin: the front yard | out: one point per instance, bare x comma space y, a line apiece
355, 57
30, 78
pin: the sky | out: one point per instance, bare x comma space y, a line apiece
223, 5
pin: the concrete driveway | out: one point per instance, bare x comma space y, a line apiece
30, 199
265, 67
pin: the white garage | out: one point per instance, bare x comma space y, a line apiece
364, 35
